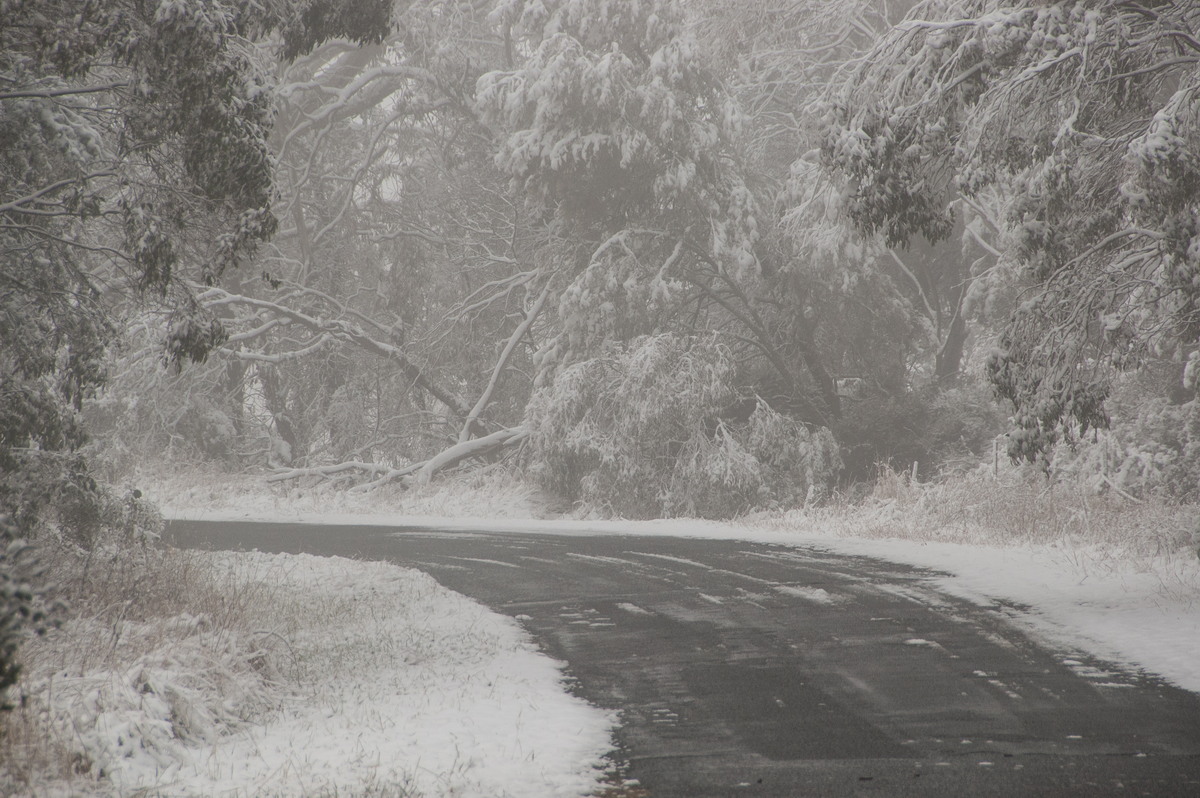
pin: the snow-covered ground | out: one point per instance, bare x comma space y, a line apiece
382, 683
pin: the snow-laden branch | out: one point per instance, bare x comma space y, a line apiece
342, 330
476, 447
326, 472
382, 474
920, 291
17, 204
280, 357
341, 105
47, 93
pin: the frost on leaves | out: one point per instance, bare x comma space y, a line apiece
1081, 119
648, 430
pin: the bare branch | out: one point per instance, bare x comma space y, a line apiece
486, 397
47, 93
344, 331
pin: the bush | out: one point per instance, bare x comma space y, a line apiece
938, 429
1154, 449
24, 608
639, 432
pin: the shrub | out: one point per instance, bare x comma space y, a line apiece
939, 429
639, 432
1155, 449
24, 608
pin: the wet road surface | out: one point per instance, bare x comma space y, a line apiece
745, 669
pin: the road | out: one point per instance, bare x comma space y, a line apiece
744, 669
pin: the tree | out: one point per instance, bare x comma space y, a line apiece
134, 167
642, 430
619, 129
367, 340
1078, 120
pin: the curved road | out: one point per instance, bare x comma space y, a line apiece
744, 669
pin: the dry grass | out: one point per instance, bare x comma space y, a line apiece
164, 641
492, 492
1014, 507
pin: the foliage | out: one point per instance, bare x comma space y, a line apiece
24, 606
314, 21
1151, 448
366, 331
936, 428
640, 431
1080, 120
134, 167
1158, 451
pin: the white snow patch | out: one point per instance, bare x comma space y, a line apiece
668, 558
816, 595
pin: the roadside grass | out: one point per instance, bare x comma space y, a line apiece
496, 491
248, 675
159, 648
1001, 505
1011, 506
1102, 532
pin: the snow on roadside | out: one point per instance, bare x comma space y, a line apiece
1142, 613
385, 683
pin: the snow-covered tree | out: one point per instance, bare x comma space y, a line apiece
133, 167
621, 129
387, 319
645, 430
1079, 121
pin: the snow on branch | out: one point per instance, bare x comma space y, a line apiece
327, 472
342, 330
476, 447
448, 458
502, 363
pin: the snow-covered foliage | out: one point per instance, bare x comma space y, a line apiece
646, 430
1151, 448
1081, 118
24, 607
618, 125
616, 110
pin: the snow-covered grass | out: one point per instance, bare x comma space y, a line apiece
496, 492
200, 674
1103, 574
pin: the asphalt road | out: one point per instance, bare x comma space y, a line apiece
752, 670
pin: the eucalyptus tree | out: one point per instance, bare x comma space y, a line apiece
365, 338
1078, 121
133, 168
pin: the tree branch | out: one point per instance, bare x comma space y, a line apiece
486, 397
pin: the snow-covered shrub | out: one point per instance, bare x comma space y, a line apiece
24, 609
639, 431
208, 430
1161, 450
133, 518
1153, 450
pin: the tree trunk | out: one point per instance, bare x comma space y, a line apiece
950, 354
